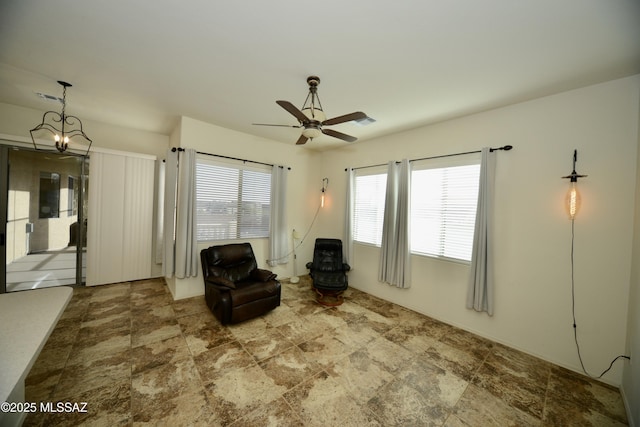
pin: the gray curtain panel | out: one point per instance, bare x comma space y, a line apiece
480, 287
186, 239
348, 216
278, 234
395, 251
170, 192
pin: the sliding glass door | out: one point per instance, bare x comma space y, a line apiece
46, 219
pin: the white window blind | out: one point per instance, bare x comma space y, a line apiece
443, 211
444, 196
233, 202
369, 208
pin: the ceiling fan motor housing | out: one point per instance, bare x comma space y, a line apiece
313, 81
312, 108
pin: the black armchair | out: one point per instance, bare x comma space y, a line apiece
235, 288
328, 272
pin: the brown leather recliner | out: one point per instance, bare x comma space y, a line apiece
235, 288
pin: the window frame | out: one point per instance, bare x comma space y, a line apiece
72, 196
472, 159
416, 167
374, 171
49, 195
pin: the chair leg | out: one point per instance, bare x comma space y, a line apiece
329, 298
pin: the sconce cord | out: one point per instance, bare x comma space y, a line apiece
301, 240
325, 185
573, 311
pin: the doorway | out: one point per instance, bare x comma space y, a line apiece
46, 218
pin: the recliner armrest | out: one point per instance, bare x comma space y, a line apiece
262, 275
221, 281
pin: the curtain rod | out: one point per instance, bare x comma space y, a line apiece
230, 158
505, 148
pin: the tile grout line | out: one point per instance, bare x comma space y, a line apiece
326, 369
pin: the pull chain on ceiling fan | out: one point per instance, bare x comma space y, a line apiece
312, 118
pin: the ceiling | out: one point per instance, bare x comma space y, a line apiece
406, 64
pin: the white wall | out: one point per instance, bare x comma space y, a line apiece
533, 295
533, 236
631, 375
18, 120
301, 202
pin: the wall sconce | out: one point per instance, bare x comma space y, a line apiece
69, 126
573, 198
325, 185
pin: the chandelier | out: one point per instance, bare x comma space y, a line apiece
63, 127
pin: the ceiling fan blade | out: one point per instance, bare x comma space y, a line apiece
302, 140
358, 115
293, 110
339, 135
269, 124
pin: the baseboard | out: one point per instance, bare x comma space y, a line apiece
490, 337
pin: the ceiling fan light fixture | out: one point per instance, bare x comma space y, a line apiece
312, 132
314, 114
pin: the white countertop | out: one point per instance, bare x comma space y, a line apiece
27, 319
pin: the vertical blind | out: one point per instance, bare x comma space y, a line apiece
233, 202
119, 231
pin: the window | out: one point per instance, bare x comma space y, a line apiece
368, 212
443, 208
233, 202
49, 195
443, 211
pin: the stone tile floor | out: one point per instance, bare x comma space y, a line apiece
139, 358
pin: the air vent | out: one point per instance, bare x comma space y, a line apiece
49, 97
365, 121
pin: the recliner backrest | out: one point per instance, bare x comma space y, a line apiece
234, 261
327, 255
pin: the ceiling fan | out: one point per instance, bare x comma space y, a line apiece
312, 118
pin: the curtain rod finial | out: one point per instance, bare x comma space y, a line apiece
505, 148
